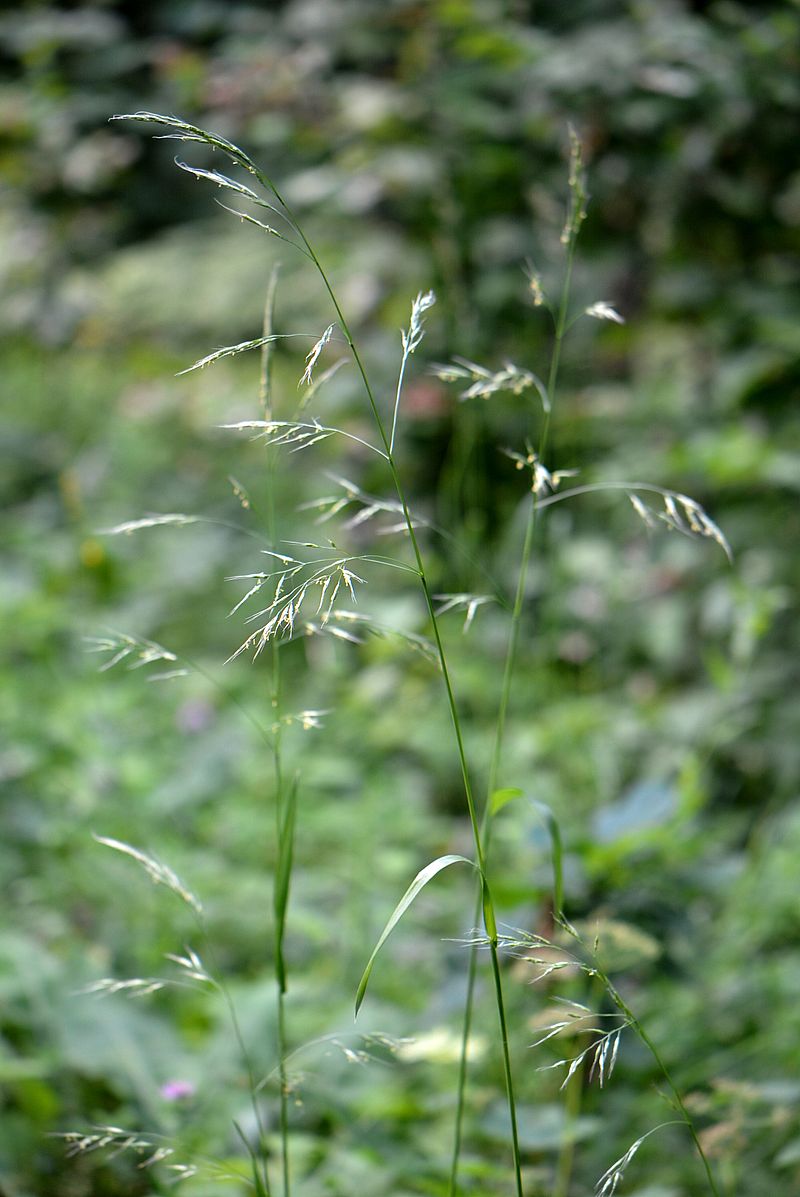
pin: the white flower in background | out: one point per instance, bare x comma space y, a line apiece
604, 311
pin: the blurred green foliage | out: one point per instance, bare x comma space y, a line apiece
654, 709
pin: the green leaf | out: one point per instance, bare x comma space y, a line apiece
420, 881
501, 797
557, 854
788, 1155
283, 877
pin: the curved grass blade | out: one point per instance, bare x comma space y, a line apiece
420, 881
500, 798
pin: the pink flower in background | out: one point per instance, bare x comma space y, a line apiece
194, 715
177, 1090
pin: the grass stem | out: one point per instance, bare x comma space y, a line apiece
505, 698
265, 397
636, 1026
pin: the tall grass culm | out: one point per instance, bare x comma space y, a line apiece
300, 593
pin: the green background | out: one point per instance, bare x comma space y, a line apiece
423, 145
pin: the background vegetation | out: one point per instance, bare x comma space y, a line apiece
423, 145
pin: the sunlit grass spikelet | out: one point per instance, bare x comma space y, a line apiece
313, 356
484, 383
293, 585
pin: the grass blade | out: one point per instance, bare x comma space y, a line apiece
417, 885
557, 855
499, 798
282, 880
260, 1185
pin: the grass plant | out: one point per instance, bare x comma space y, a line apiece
300, 593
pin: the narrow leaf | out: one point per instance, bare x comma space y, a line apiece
420, 881
557, 854
282, 879
501, 797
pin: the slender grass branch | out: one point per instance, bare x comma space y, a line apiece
637, 1027
259, 1159
283, 870
573, 1103
533, 505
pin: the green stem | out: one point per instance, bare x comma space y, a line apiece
574, 1099
566, 1154
633, 1021
490, 921
505, 697
284, 1097
280, 967
265, 398
259, 1159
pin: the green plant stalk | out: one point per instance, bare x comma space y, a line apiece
258, 1160
490, 921
280, 964
574, 1098
566, 1154
259, 1165
487, 904
265, 397
284, 1094
505, 698
637, 1027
